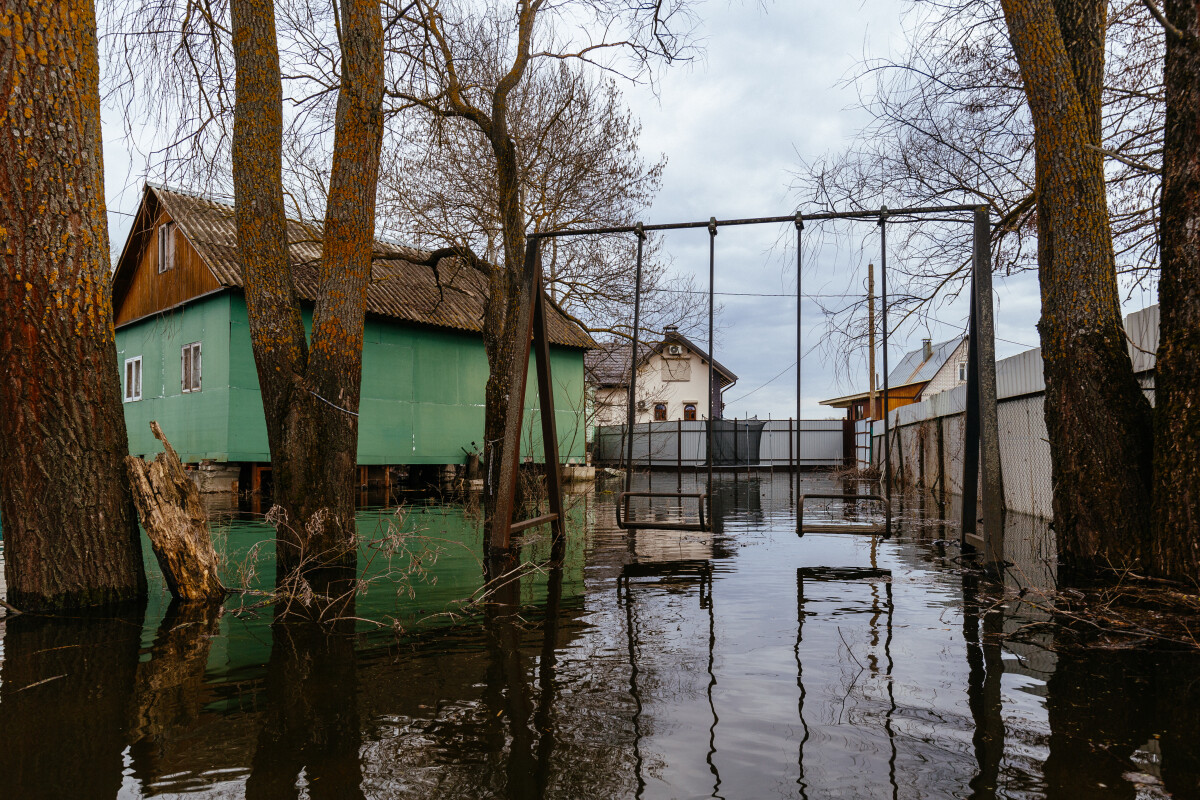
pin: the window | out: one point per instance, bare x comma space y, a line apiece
133, 379
166, 246
962, 371
191, 367
689, 411
660, 412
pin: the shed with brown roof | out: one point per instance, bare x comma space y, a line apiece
178, 293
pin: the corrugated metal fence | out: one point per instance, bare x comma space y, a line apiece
683, 444
927, 438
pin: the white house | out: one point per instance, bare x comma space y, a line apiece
672, 381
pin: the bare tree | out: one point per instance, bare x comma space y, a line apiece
311, 390
311, 75
71, 537
468, 67
1097, 417
1050, 112
949, 123
579, 166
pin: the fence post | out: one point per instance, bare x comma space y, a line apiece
679, 455
650, 456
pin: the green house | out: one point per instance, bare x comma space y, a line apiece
183, 343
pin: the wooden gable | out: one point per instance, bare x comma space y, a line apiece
139, 288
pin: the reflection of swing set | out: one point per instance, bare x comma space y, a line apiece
668, 573
672, 510
849, 575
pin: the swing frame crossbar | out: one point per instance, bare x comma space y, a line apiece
625, 520
981, 425
868, 528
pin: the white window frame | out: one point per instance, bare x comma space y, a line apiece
133, 393
191, 375
166, 246
962, 372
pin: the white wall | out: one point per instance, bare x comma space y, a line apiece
674, 380
946, 377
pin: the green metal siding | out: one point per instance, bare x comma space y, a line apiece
196, 423
422, 391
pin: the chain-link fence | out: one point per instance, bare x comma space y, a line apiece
928, 454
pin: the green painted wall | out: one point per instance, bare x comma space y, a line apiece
422, 391
197, 423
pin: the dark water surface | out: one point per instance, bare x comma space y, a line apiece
742, 663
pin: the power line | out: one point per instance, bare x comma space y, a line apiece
768, 383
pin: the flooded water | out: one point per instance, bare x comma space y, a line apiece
743, 663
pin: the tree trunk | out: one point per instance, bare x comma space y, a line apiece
71, 538
168, 504
1175, 552
310, 393
501, 337
1097, 417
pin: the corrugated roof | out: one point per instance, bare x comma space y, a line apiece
400, 288
914, 367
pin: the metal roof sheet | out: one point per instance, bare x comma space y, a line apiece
914, 367
399, 289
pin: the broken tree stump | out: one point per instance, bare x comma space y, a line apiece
168, 504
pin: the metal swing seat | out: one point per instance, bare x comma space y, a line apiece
869, 527
673, 520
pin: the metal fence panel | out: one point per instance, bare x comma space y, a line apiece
668, 444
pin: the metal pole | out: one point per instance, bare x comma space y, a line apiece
864, 214
712, 389
633, 356
887, 449
791, 453
799, 222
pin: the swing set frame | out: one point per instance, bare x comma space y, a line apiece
981, 428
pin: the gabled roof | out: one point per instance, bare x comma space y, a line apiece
608, 365
400, 288
913, 369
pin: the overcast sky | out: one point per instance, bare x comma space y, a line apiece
770, 91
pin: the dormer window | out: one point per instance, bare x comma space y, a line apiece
166, 246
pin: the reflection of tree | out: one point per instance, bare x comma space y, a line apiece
1106, 705
170, 688
64, 704
311, 725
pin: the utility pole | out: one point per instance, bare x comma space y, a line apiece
871, 332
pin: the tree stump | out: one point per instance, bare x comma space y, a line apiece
168, 504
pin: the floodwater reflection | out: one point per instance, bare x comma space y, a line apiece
742, 662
